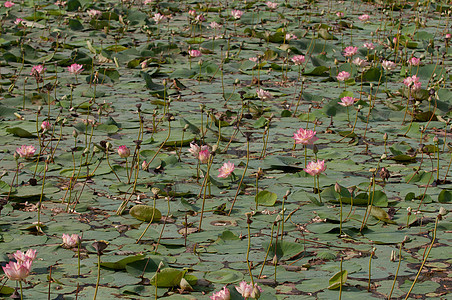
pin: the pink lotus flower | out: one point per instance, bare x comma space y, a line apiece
18, 21
158, 18
254, 59
195, 149
271, 5
305, 137
123, 151
315, 168
194, 53
369, 46
340, 14
360, 62
347, 101
448, 36
221, 295
203, 156
9, 4
350, 51
200, 18
388, 65
192, 12
26, 151
60, 3
298, 60
23, 257
75, 69
17, 270
45, 126
343, 76
412, 82
264, 95
414, 61
37, 70
94, 13
214, 25
147, 2
70, 241
247, 290
364, 17
291, 36
236, 14
226, 170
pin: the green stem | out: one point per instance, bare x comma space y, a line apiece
243, 175
98, 277
425, 259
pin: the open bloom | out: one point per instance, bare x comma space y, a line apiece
194, 53
236, 14
315, 168
364, 17
305, 137
388, 65
340, 14
369, 46
342, 76
226, 170
221, 295
25, 256
18, 270
158, 18
350, 51
214, 25
254, 59
360, 62
45, 126
203, 156
18, 21
94, 13
9, 4
298, 59
412, 82
271, 5
37, 70
291, 36
123, 151
195, 149
26, 151
70, 241
264, 95
414, 61
75, 69
247, 290
347, 101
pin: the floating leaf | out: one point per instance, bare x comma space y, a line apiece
445, 196
121, 264
338, 279
145, 213
17, 131
380, 214
224, 276
168, 277
266, 198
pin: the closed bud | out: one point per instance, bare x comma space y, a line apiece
385, 136
337, 188
443, 211
155, 191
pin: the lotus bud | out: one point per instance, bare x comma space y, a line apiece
337, 188
443, 211
155, 191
